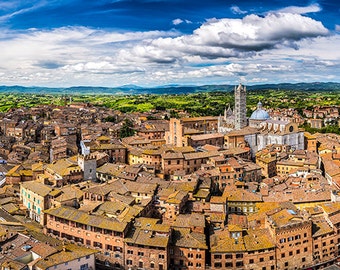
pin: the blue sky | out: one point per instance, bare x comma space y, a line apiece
61, 43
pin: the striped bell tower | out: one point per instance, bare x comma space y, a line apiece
240, 107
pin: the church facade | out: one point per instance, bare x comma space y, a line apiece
267, 131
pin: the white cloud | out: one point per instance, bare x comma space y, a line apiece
177, 21
337, 27
19, 9
236, 10
257, 33
180, 21
301, 10
253, 49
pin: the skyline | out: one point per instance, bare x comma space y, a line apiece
153, 42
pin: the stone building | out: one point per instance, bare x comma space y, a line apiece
88, 164
240, 107
258, 116
147, 244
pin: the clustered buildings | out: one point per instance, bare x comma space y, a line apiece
223, 192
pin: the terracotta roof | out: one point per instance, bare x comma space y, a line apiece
37, 188
187, 239
72, 214
206, 136
189, 220
197, 155
43, 250
70, 253
321, 227
240, 195
63, 167
69, 193
258, 240
148, 232
221, 242
285, 217
201, 118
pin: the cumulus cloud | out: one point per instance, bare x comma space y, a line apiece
257, 33
218, 49
337, 27
301, 10
236, 10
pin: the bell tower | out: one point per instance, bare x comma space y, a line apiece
240, 107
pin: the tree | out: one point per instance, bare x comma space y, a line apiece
127, 129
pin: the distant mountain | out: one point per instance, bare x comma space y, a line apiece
130, 86
131, 89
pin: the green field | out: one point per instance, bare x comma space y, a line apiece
197, 104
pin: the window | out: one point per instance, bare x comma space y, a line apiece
239, 256
290, 253
228, 264
140, 253
261, 259
198, 265
229, 256
152, 265
140, 264
218, 256
128, 262
283, 255
251, 261
87, 257
218, 265
161, 256
84, 266
271, 258
305, 249
286, 263
130, 251
238, 264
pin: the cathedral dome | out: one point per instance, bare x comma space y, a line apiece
259, 113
